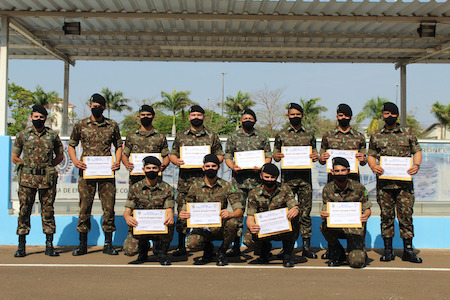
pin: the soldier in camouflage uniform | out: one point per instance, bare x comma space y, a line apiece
343, 189
96, 134
268, 196
246, 139
394, 140
149, 193
299, 181
145, 140
36, 172
196, 135
210, 188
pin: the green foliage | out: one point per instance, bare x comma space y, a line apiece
20, 101
164, 123
372, 110
235, 106
218, 124
43, 98
312, 113
129, 123
414, 125
115, 101
441, 112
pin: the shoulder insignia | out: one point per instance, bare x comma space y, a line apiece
366, 192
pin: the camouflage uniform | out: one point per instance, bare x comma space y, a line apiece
394, 194
223, 192
259, 200
142, 141
351, 140
37, 174
204, 137
353, 192
96, 139
143, 196
299, 181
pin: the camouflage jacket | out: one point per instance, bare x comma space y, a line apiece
221, 191
96, 138
142, 141
259, 200
144, 196
242, 141
38, 149
353, 192
336, 139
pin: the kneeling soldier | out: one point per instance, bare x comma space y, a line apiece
149, 193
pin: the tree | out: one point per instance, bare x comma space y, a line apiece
442, 113
272, 115
129, 124
414, 125
19, 101
115, 101
40, 97
218, 124
311, 113
235, 106
372, 110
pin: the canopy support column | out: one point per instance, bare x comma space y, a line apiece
65, 106
403, 94
4, 35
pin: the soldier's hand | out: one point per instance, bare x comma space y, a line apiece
324, 215
129, 166
162, 168
413, 170
180, 162
115, 166
257, 169
169, 220
378, 170
80, 165
360, 157
314, 156
277, 156
131, 221
236, 168
184, 215
254, 228
292, 213
324, 156
225, 214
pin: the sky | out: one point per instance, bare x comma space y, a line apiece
334, 83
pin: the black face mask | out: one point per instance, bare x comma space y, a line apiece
151, 175
248, 125
390, 120
146, 121
344, 122
97, 111
38, 124
196, 122
340, 178
210, 173
295, 121
269, 183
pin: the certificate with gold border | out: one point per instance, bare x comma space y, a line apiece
150, 221
204, 214
193, 156
98, 167
344, 215
136, 160
396, 168
273, 222
296, 157
349, 155
249, 159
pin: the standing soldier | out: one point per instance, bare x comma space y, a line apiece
36, 172
394, 140
246, 139
299, 181
196, 135
96, 134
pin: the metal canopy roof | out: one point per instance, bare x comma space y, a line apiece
220, 30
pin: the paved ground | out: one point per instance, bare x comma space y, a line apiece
99, 276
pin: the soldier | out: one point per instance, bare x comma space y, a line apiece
149, 193
196, 135
145, 140
96, 134
394, 140
299, 181
210, 188
36, 172
268, 196
343, 189
246, 139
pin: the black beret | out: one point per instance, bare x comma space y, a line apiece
250, 112
147, 108
392, 107
340, 161
344, 109
295, 106
39, 109
271, 169
211, 158
97, 98
151, 160
196, 108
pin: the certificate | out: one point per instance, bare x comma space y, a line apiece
296, 157
273, 222
98, 167
204, 214
249, 159
395, 167
347, 154
344, 214
136, 159
193, 156
150, 221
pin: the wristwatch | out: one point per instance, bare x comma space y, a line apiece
417, 165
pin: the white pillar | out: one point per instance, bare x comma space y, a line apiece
4, 34
65, 112
403, 95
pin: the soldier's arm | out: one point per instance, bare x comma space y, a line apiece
417, 160
324, 155
127, 215
73, 156
251, 225
116, 165
16, 159
59, 158
59, 151
73, 142
372, 161
126, 153
17, 150
365, 216
276, 154
323, 212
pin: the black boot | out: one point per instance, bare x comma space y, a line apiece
408, 252
82, 248
326, 255
208, 253
49, 250
143, 252
222, 257
264, 256
388, 254
288, 261
181, 250
21, 248
157, 247
162, 256
337, 255
236, 249
307, 250
108, 247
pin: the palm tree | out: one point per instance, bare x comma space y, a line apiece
45, 99
311, 112
115, 101
442, 113
372, 110
175, 102
235, 106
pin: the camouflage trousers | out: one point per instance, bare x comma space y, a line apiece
401, 200
184, 183
243, 190
27, 196
199, 237
303, 190
107, 194
131, 243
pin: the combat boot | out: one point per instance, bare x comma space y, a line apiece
108, 247
264, 256
388, 254
236, 249
337, 255
163, 258
307, 250
49, 250
143, 252
208, 253
181, 250
326, 255
82, 248
222, 257
408, 252
21, 248
288, 261
156, 247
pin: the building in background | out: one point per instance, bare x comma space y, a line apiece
436, 132
56, 116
